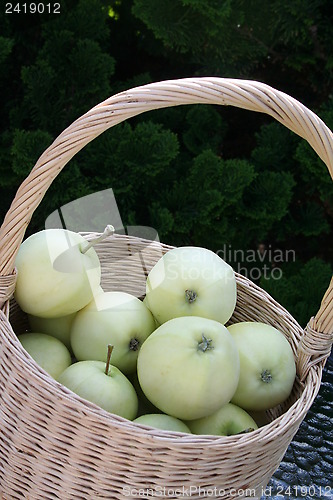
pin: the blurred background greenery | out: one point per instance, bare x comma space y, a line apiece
222, 178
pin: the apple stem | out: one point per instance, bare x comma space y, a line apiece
266, 376
205, 344
108, 231
190, 295
108, 359
246, 431
134, 344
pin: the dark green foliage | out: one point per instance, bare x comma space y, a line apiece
266, 203
69, 89
26, 146
201, 203
275, 147
312, 171
203, 31
185, 25
308, 219
204, 128
6, 46
133, 161
236, 37
230, 180
301, 288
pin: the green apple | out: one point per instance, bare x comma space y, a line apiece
189, 367
48, 352
227, 421
191, 281
267, 365
116, 318
57, 275
162, 421
102, 384
56, 327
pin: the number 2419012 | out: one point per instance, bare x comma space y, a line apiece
32, 8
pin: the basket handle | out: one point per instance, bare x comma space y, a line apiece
247, 94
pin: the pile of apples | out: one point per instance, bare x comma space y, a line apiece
168, 361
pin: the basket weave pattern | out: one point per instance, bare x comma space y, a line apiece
53, 444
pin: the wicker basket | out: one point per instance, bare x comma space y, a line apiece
54, 444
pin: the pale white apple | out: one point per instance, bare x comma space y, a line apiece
116, 318
227, 421
48, 352
267, 365
189, 367
59, 328
162, 421
112, 391
191, 281
56, 276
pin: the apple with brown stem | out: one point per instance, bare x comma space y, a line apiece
103, 384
